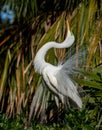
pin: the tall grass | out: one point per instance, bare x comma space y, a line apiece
19, 44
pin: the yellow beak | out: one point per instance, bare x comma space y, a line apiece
67, 23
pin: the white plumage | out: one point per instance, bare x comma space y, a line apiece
56, 78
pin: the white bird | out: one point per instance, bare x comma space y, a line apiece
56, 79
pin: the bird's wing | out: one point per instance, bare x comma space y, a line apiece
74, 61
67, 87
60, 84
65, 83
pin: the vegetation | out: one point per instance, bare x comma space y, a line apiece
83, 119
36, 22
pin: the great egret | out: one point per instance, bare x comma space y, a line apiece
56, 79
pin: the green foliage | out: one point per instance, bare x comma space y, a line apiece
83, 119
10, 124
3, 122
38, 21
92, 82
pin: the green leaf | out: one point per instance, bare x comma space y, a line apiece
91, 84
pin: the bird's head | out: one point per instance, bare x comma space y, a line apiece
69, 37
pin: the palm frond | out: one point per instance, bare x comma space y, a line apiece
37, 22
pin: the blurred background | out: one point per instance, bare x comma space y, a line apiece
27, 25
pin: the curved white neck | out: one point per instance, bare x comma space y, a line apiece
39, 61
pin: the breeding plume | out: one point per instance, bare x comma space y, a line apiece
56, 80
